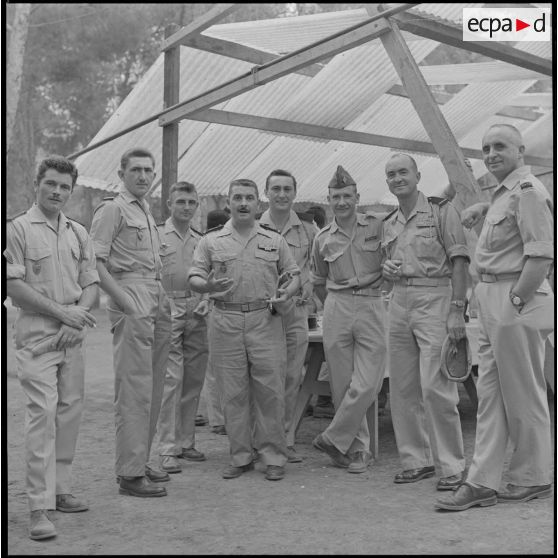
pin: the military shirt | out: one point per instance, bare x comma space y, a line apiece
299, 236
518, 224
254, 266
427, 240
340, 261
125, 235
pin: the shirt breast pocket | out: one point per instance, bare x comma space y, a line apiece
168, 257
223, 264
39, 265
426, 238
337, 271
136, 235
498, 229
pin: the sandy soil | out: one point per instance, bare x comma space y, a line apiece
316, 509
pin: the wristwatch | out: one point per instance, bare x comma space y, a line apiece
458, 303
516, 300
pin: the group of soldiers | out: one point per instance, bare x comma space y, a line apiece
235, 302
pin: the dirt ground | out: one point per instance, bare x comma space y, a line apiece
316, 509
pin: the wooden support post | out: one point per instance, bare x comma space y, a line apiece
171, 94
433, 120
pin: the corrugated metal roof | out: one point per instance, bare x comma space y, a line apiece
349, 92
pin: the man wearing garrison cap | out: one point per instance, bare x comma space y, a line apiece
346, 266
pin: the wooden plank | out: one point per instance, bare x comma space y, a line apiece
543, 100
437, 31
218, 12
431, 116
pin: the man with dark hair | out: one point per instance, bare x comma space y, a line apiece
299, 232
188, 347
516, 310
426, 259
127, 248
51, 277
346, 266
240, 265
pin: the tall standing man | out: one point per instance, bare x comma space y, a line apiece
299, 232
516, 309
188, 347
51, 277
427, 261
127, 247
346, 265
240, 264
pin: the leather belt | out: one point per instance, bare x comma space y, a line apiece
241, 306
356, 291
147, 275
491, 278
180, 294
423, 281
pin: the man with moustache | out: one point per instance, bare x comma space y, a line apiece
346, 266
240, 265
188, 347
516, 310
127, 247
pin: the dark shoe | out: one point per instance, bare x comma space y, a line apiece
274, 472
141, 487
156, 476
414, 475
514, 493
170, 464
360, 462
220, 429
192, 454
309, 411
323, 411
40, 526
200, 420
450, 483
292, 456
338, 458
232, 472
69, 504
467, 496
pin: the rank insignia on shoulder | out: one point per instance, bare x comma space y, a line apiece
526, 185
438, 201
109, 197
213, 229
268, 228
391, 214
17, 215
196, 231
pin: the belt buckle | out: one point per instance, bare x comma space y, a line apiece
245, 307
356, 291
489, 278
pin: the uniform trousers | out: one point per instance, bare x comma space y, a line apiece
423, 401
248, 353
140, 351
511, 387
354, 342
53, 384
210, 391
295, 325
184, 378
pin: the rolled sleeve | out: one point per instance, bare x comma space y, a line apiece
88, 274
14, 252
103, 229
287, 263
453, 235
319, 268
201, 261
535, 225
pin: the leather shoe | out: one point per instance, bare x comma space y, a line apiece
467, 496
170, 464
361, 461
219, 429
232, 472
40, 526
274, 472
192, 454
156, 476
339, 459
292, 456
141, 487
450, 483
515, 493
414, 475
68, 503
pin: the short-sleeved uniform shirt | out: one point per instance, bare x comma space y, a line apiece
125, 235
427, 240
299, 236
518, 225
57, 264
341, 261
254, 266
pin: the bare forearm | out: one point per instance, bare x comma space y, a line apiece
533, 274
198, 284
107, 282
88, 296
459, 278
29, 299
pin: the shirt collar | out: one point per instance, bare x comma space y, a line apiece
421, 206
360, 220
170, 228
515, 177
130, 198
293, 221
37, 216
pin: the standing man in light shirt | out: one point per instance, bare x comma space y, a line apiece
299, 231
127, 247
516, 309
188, 348
51, 278
346, 266
240, 264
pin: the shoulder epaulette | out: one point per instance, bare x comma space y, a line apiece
16, 215
324, 229
526, 185
308, 217
160, 224
268, 228
214, 229
438, 201
390, 214
109, 197
196, 231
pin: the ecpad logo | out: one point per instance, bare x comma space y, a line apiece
506, 24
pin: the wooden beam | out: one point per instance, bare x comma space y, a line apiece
433, 120
437, 31
218, 12
292, 62
291, 127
